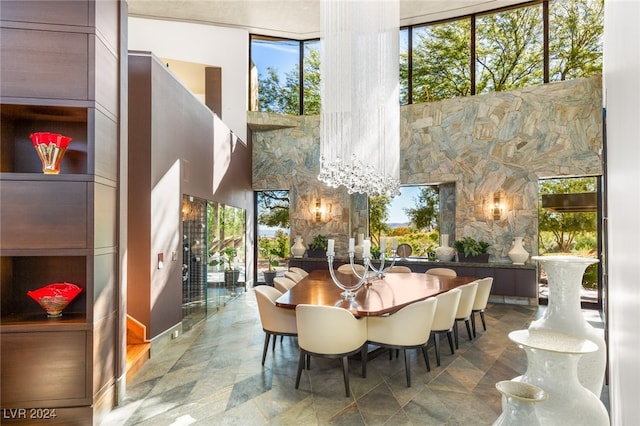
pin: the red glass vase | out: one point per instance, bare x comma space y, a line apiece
50, 148
53, 298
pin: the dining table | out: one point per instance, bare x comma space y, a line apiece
379, 296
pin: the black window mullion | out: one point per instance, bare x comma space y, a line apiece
545, 40
472, 62
301, 78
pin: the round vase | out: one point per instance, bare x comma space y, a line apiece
298, 248
519, 403
552, 365
359, 247
518, 254
444, 253
564, 315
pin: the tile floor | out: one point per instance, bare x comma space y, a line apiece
212, 375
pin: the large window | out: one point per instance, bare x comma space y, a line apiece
507, 46
441, 56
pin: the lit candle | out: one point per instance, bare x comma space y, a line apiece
366, 248
352, 245
394, 243
383, 245
330, 245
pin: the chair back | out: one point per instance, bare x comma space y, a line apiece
399, 268
442, 272
410, 326
482, 295
446, 309
467, 297
298, 271
283, 284
293, 276
346, 268
329, 330
273, 318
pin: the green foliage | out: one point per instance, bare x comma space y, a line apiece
273, 208
441, 61
565, 227
226, 258
378, 216
424, 216
320, 242
470, 246
273, 249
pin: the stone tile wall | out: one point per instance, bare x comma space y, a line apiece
496, 142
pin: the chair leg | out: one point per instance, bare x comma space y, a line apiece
450, 342
466, 322
273, 346
406, 367
436, 343
484, 324
301, 362
363, 356
455, 333
267, 336
345, 373
426, 357
473, 323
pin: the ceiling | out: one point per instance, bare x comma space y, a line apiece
295, 19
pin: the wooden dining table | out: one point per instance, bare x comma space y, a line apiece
382, 296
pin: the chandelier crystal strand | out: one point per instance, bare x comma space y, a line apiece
360, 110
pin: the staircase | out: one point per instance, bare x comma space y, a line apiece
138, 347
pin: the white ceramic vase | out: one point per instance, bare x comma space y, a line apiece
298, 248
552, 365
444, 253
563, 314
519, 400
518, 254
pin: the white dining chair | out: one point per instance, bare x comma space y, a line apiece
463, 314
298, 271
406, 329
447, 272
293, 276
480, 302
330, 332
283, 284
400, 269
275, 321
444, 319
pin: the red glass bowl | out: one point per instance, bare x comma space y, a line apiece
47, 138
53, 298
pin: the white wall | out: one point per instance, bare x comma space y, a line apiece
227, 48
622, 102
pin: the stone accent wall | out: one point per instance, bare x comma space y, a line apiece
496, 142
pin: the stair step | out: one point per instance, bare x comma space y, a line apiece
137, 355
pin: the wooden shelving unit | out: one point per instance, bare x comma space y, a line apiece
60, 72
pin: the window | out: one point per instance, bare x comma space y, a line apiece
441, 61
509, 49
277, 65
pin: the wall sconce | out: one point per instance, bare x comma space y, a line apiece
318, 211
497, 206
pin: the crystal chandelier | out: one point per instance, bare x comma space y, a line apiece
360, 108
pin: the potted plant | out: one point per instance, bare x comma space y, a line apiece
318, 247
272, 252
231, 274
472, 250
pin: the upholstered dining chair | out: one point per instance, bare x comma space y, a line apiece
298, 271
447, 272
406, 329
444, 319
346, 268
399, 268
283, 284
293, 276
275, 321
480, 302
330, 332
463, 313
